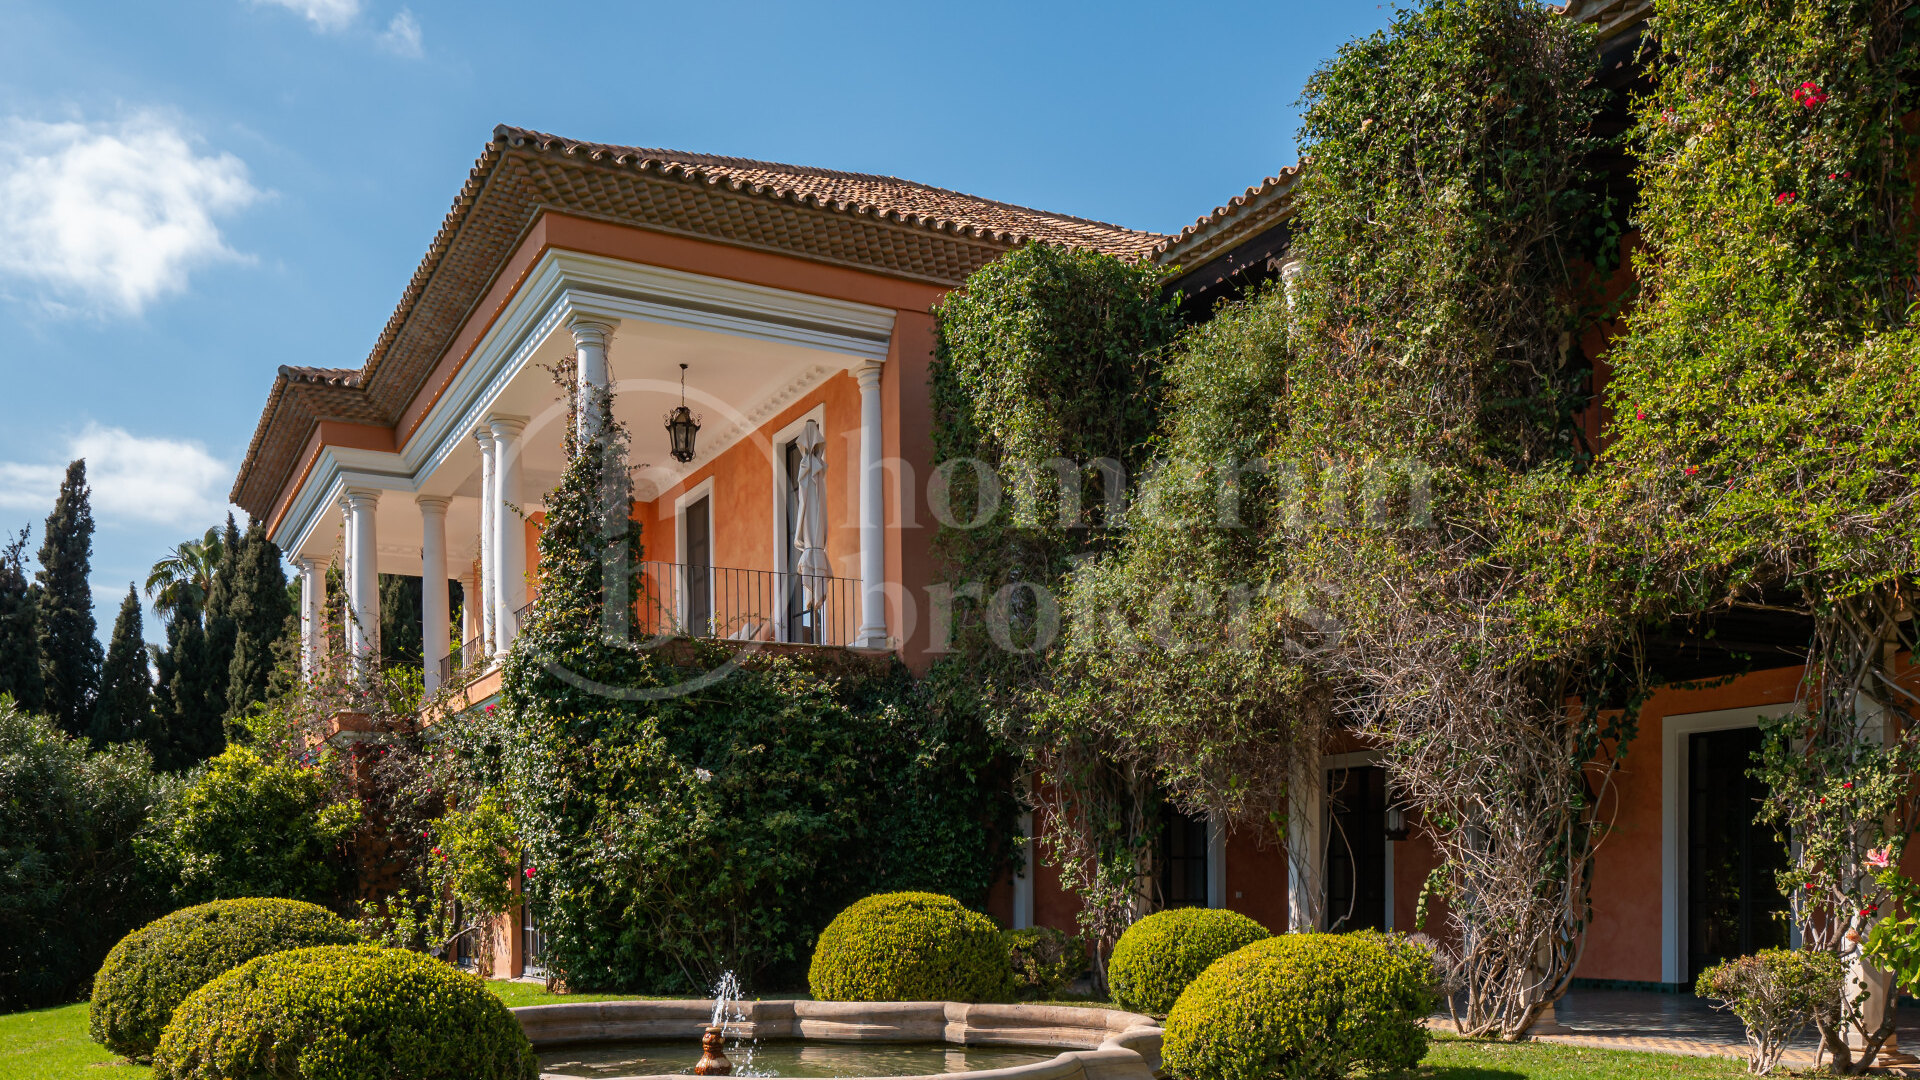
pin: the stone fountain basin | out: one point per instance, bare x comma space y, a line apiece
1095, 1044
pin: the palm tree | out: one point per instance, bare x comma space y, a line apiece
186, 572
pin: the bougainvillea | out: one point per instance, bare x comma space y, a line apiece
1765, 400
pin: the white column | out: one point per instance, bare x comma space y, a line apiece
1306, 848
873, 554
509, 532
590, 340
363, 575
488, 498
313, 590
349, 629
436, 605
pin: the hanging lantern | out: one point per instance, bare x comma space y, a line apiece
682, 425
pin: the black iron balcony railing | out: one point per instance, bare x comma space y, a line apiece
466, 657
678, 600
747, 605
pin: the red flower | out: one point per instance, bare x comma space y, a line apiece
529, 873
1691, 470
1810, 95
1848, 785
1784, 198
488, 709
1640, 414
436, 852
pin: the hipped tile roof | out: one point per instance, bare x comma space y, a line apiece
878, 223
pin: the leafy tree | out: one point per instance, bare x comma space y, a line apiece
254, 827
125, 705
218, 617
187, 725
19, 622
400, 637
77, 832
69, 652
261, 615
186, 572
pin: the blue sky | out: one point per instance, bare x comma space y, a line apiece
197, 191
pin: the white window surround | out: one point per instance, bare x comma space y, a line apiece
1673, 819
817, 414
561, 286
701, 490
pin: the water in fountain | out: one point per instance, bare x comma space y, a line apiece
727, 1010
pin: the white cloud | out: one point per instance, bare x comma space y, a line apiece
135, 480
114, 215
402, 37
323, 14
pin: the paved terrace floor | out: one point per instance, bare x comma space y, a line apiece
1680, 1024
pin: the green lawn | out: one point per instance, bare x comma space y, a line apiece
52, 1044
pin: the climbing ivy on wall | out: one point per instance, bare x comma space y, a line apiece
1764, 398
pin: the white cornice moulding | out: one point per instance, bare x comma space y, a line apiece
565, 284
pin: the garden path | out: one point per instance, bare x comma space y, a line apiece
1680, 1024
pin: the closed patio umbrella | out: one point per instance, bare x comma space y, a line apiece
811, 532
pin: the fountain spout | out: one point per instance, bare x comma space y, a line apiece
713, 1054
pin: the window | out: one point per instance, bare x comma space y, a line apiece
1183, 863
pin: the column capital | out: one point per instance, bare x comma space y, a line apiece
483, 434
867, 372
361, 497
590, 330
506, 426
433, 504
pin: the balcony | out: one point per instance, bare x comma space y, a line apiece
723, 604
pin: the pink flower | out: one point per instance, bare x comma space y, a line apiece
1881, 857
1784, 198
1640, 414
488, 709
1810, 95
529, 873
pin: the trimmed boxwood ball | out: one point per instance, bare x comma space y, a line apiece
152, 970
1159, 955
910, 946
1304, 1006
344, 1013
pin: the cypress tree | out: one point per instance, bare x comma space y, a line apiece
218, 619
260, 610
19, 629
126, 689
69, 653
400, 641
190, 731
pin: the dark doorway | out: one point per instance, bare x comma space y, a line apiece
699, 568
1734, 905
1183, 866
1357, 848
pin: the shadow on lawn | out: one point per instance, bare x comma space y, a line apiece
1463, 1072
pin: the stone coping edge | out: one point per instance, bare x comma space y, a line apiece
1098, 1044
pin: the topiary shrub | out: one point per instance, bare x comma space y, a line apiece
1159, 955
1304, 1005
909, 946
344, 1013
1044, 961
152, 970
